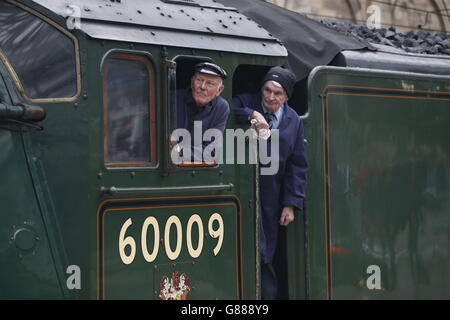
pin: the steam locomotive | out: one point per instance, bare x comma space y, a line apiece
93, 208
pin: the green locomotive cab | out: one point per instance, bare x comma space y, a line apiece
102, 212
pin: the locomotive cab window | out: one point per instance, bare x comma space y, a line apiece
39, 53
201, 123
247, 79
129, 111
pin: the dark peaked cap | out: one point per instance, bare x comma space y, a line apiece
210, 68
283, 76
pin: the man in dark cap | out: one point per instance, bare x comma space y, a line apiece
202, 102
284, 191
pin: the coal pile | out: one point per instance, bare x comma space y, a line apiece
421, 41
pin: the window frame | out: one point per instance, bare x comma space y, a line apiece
153, 154
15, 77
192, 164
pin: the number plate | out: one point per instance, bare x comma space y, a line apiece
198, 241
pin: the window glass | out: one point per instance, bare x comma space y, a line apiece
42, 56
129, 115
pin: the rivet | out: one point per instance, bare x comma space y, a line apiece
139, 11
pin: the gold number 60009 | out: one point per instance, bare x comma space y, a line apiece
215, 232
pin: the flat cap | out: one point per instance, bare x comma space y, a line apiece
210, 68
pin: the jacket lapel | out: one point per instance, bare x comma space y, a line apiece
285, 120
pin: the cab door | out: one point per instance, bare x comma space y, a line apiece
164, 232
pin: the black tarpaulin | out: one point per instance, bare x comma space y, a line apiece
309, 42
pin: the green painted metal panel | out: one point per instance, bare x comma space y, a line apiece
296, 253
379, 190
141, 245
63, 171
28, 270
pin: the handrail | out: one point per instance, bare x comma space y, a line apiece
115, 190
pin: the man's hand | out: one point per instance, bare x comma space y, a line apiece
261, 121
287, 215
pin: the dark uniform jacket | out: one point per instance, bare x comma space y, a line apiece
288, 186
213, 116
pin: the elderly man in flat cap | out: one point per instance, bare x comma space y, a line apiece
284, 191
202, 102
